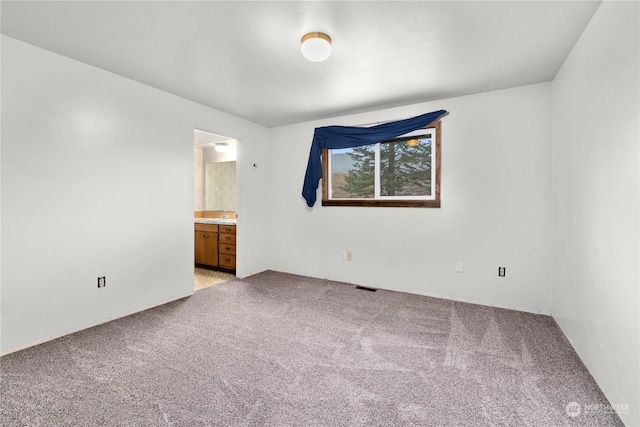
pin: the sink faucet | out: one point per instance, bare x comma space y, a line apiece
224, 216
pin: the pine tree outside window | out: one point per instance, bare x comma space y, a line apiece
402, 172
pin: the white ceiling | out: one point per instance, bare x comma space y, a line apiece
244, 57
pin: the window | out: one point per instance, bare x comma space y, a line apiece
403, 172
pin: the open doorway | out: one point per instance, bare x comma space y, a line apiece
215, 208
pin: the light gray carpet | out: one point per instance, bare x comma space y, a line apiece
283, 350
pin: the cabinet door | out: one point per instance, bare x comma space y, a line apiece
206, 248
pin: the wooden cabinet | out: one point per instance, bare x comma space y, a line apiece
215, 245
206, 244
227, 247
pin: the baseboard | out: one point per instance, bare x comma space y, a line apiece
432, 295
54, 337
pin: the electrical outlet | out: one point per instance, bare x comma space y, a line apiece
502, 271
459, 267
102, 282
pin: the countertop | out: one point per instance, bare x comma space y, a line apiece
223, 221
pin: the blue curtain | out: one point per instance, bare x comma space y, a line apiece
330, 137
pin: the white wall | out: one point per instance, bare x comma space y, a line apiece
596, 193
496, 208
97, 180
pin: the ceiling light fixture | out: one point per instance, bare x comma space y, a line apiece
222, 147
316, 47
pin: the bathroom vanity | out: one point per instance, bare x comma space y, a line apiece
215, 242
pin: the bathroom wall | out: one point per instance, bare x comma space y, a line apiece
220, 182
198, 180
216, 174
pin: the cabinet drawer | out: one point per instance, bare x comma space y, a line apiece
228, 238
228, 229
227, 249
227, 261
206, 227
